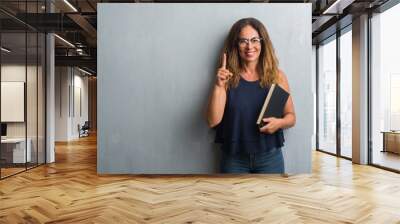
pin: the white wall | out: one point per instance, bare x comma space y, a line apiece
62, 81
16, 72
69, 84
79, 117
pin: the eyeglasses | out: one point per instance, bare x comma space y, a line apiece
254, 41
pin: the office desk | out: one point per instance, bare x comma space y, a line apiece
391, 141
13, 150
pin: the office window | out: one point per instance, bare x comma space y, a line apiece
385, 87
346, 94
327, 96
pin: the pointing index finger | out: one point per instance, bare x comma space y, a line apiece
224, 61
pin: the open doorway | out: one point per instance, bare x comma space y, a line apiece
75, 104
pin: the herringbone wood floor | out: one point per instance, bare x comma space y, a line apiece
70, 191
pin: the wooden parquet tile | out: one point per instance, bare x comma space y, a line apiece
70, 191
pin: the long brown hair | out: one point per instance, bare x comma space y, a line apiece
267, 66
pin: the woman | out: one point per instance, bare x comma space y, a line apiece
248, 67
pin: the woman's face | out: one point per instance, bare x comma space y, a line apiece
249, 44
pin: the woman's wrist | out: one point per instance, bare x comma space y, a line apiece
286, 122
282, 123
219, 87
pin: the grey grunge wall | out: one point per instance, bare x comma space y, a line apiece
156, 65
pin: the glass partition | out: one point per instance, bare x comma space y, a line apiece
14, 154
22, 77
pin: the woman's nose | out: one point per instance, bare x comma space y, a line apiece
250, 45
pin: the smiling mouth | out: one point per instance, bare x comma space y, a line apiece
250, 53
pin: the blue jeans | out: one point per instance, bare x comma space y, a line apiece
270, 161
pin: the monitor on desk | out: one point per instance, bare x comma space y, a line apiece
3, 130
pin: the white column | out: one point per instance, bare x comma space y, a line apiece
50, 93
50, 79
360, 90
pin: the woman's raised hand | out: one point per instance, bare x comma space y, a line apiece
223, 74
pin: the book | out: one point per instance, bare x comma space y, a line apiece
274, 104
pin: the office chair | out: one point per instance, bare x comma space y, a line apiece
84, 130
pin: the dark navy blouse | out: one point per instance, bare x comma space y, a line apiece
238, 131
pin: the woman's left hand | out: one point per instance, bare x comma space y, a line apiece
272, 125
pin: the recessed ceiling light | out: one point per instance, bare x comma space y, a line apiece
332, 8
5, 50
84, 71
71, 6
64, 40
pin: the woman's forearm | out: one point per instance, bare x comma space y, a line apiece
288, 121
216, 106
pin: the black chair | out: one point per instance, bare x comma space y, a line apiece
84, 130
